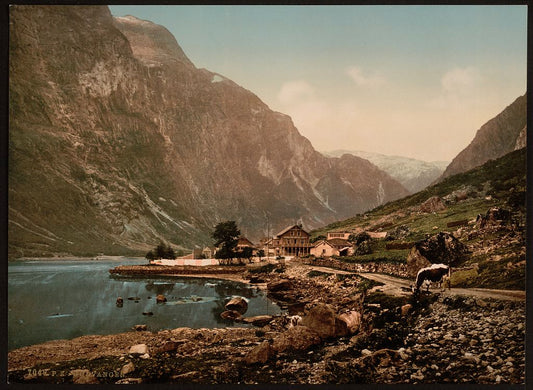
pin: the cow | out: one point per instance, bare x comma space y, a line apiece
436, 273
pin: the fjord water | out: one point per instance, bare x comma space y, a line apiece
50, 300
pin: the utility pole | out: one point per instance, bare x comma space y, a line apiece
268, 240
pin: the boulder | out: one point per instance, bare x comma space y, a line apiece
283, 284
258, 320
260, 354
140, 328
231, 315
82, 376
440, 248
298, 338
237, 304
321, 319
160, 298
147, 313
432, 205
120, 302
139, 349
126, 369
406, 309
493, 217
348, 323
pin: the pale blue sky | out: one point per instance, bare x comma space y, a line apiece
416, 81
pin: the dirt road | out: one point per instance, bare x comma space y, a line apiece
397, 286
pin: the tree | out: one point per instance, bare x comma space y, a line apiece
226, 237
246, 253
162, 251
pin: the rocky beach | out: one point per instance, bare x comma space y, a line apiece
338, 328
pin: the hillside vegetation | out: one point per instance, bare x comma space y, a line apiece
497, 251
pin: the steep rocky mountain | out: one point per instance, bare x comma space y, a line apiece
118, 141
413, 174
500, 135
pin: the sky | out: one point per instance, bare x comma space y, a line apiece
414, 81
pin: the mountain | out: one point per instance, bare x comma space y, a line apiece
500, 135
117, 141
413, 174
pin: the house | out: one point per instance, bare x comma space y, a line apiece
209, 252
244, 243
333, 247
292, 241
341, 235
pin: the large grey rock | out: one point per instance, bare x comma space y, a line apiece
127, 368
348, 323
260, 354
237, 304
298, 338
139, 349
321, 319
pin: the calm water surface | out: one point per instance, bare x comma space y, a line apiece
50, 300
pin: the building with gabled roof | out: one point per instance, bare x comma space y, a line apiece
292, 241
333, 247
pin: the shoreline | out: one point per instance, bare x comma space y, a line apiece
389, 346
77, 258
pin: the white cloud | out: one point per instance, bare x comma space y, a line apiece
460, 80
461, 89
364, 80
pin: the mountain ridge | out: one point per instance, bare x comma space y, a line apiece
412, 173
136, 145
498, 136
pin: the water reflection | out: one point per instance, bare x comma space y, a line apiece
54, 300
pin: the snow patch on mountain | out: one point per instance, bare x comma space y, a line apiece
413, 174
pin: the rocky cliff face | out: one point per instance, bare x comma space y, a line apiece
502, 134
117, 141
413, 174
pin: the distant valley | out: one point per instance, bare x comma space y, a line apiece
413, 174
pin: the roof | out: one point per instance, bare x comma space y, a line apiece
289, 228
244, 241
339, 242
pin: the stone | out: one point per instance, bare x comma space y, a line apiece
140, 328
169, 346
432, 205
259, 354
231, 315
258, 320
145, 356
237, 304
139, 349
128, 381
366, 352
321, 319
160, 298
147, 313
406, 309
347, 323
120, 302
283, 284
298, 338
127, 368
82, 376
442, 248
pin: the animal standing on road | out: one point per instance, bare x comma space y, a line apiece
437, 273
